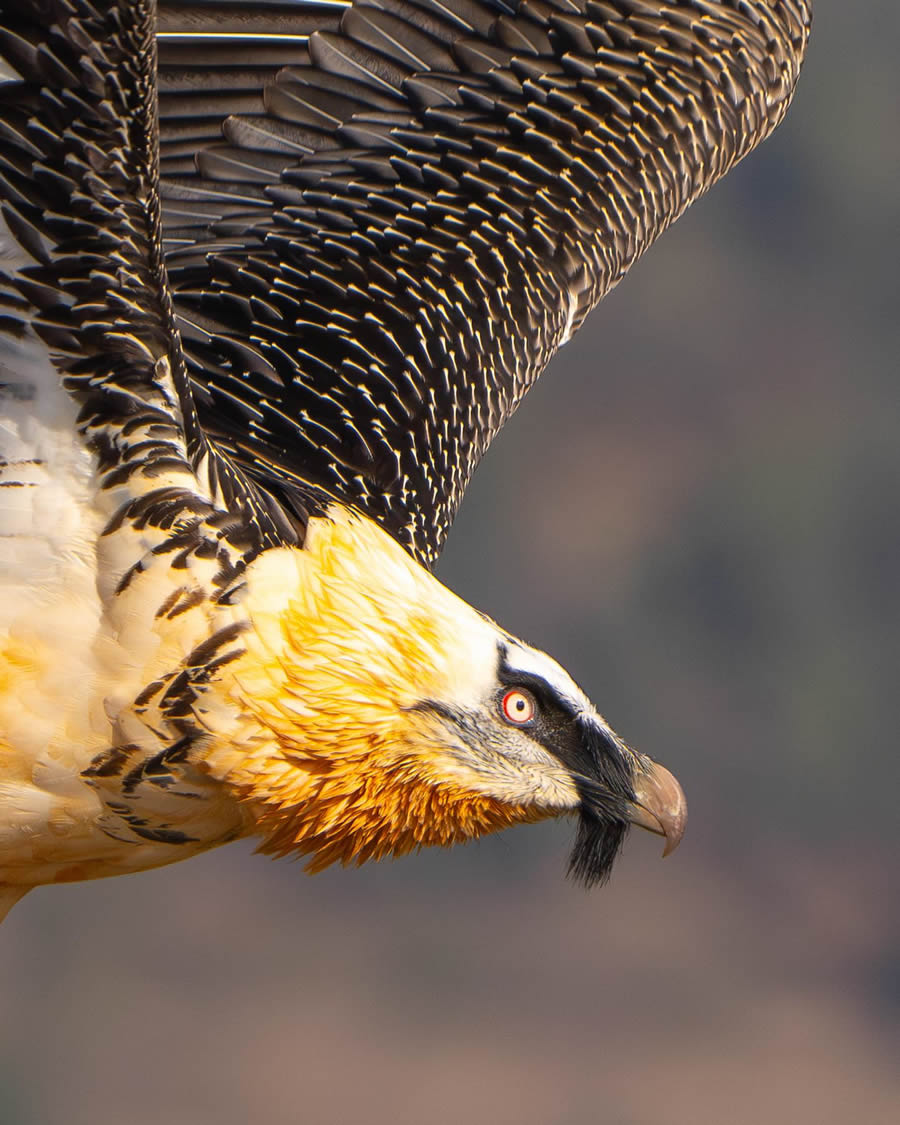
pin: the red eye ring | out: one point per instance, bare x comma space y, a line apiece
518, 707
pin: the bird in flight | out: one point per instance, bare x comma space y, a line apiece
272, 276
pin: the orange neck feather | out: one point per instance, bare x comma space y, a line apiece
369, 803
333, 757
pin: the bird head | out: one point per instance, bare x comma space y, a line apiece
377, 712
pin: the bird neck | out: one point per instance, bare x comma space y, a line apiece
330, 750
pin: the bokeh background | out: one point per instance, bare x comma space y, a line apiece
697, 512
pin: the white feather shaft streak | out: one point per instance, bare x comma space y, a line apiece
229, 36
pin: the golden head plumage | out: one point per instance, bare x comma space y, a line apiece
366, 713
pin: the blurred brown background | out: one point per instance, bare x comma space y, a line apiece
697, 511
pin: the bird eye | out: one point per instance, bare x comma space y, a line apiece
518, 706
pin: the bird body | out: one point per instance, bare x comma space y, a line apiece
74, 651
262, 309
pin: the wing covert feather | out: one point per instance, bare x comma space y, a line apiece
408, 207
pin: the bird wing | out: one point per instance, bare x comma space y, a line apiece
82, 278
382, 219
378, 221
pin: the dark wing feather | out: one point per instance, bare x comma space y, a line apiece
79, 194
378, 236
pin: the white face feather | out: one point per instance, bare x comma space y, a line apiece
533, 662
502, 760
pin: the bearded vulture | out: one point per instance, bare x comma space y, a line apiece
272, 276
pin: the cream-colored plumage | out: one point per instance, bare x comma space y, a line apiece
63, 623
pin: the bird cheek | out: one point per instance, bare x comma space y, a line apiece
532, 779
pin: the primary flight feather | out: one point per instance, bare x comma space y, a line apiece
272, 276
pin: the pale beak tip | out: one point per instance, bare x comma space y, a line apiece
660, 805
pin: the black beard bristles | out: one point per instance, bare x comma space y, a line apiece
597, 843
603, 775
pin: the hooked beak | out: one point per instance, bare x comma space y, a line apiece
659, 805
